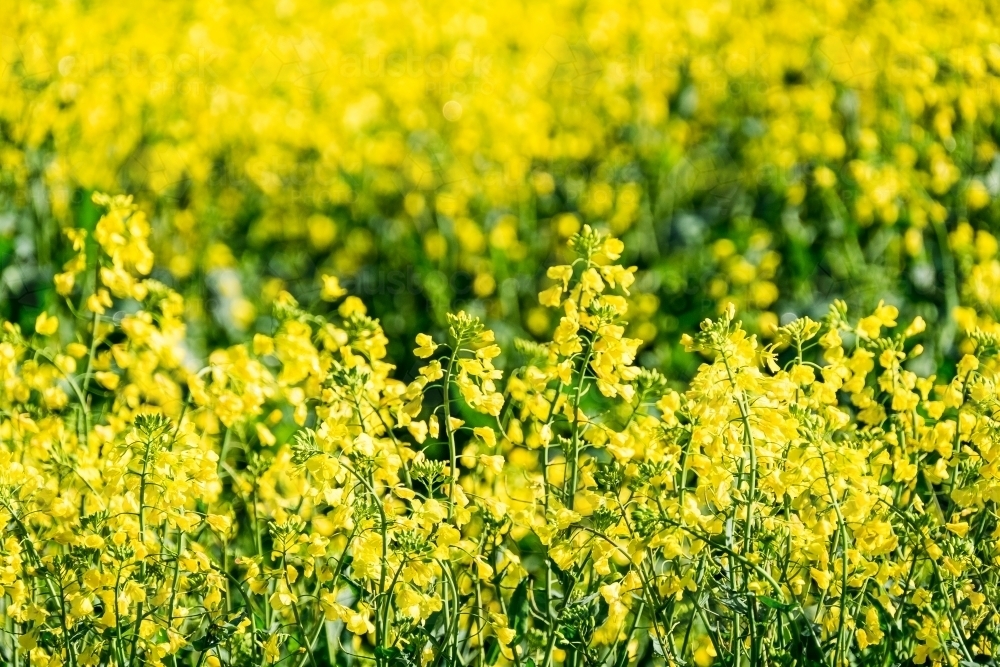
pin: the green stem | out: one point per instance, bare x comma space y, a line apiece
449, 432
570, 493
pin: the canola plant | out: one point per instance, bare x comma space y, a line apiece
578, 334
811, 501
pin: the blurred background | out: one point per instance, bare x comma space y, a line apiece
437, 156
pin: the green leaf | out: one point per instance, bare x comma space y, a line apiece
774, 604
492, 646
518, 608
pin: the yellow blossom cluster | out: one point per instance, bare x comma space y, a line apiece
772, 155
296, 499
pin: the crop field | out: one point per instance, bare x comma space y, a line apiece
583, 333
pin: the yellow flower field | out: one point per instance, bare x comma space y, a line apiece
436, 334
437, 156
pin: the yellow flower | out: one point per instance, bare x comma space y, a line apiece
107, 379
352, 305
870, 327
492, 463
505, 635
551, 297
425, 346
487, 434
563, 274
264, 434
331, 289
272, 652
886, 314
967, 364
821, 577
99, 302
46, 325
64, 283
358, 622
93, 541
483, 570
960, 528
418, 430
220, 524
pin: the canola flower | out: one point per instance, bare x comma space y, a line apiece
436, 156
291, 500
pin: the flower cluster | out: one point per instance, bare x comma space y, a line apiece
294, 499
772, 155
